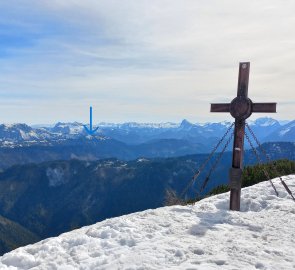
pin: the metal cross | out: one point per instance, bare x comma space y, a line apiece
240, 108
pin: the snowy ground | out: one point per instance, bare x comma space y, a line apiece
204, 236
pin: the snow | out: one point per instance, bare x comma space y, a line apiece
226, 123
284, 122
56, 177
139, 125
284, 131
264, 122
28, 135
70, 128
142, 160
209, 124
204, 236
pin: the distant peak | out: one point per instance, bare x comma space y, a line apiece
185, 123
16, 125
266, 121
68, 124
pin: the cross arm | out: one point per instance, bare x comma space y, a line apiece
264, 107
220, 107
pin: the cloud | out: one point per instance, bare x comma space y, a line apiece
157, 60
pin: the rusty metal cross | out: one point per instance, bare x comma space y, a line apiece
240, 108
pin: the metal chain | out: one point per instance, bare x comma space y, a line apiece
195, 176
258, 143
216, 162
260, 163
269, 160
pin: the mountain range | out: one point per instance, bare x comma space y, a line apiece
266, 129
22, 144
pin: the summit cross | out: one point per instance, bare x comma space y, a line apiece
240, 108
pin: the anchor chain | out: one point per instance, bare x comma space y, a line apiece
271, 164
260, 163
216, 162
201, 168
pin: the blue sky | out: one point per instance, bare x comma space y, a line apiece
145, 61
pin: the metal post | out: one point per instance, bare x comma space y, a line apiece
240, 108
238, 146
237, 165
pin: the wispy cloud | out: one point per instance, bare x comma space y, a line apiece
157, 60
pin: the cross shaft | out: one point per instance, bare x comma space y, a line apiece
240, 108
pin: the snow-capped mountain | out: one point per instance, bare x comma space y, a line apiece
266, 129
284, 133
206, 133
265, 122
136, 133
264, 126
201, 236
138, 125
67, 128
18, 134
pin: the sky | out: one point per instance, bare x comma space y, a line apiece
142, 60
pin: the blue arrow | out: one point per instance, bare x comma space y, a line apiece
90, 131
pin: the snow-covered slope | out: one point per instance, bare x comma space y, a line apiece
204, 236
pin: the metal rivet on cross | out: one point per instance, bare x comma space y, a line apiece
240, 108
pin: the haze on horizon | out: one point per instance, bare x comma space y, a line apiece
144, 61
